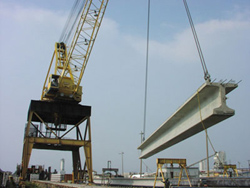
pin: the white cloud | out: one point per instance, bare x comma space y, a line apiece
27, 38
239, 13
21, 14
213, 35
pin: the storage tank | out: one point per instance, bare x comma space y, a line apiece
219, 160
62, 167
202, 166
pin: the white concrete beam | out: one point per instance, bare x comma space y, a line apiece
186, 121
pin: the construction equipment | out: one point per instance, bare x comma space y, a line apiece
58, 113
230, 166
181, 162
70, 64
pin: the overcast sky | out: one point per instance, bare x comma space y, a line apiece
113, 83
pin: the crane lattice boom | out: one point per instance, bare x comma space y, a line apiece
71, 62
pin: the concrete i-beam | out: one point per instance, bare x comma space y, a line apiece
207, 106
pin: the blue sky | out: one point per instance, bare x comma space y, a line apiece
113, 83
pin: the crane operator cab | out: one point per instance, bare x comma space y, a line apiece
61, 85
64, 91
53, 84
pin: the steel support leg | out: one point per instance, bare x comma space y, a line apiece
27, 149
76, 165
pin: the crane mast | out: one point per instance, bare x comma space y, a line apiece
70, 62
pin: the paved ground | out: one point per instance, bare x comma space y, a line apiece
49, 184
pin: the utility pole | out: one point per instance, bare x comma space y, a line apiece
207, 153
142, 139
122, 162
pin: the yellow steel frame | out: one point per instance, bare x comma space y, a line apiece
85, 142
61, 59
70, 66
182, 163
86, 32
230, 166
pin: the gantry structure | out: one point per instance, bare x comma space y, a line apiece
181, 162
51, 126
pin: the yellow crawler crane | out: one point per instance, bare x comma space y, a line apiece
51, 119
70, 63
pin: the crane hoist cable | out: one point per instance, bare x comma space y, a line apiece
71, 21
146, 74
146, 84
203, 64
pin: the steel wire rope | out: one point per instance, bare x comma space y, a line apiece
80, 7
66, 26
205, 70
146, 74
71, 21
146, 84
203, 63
75, 21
